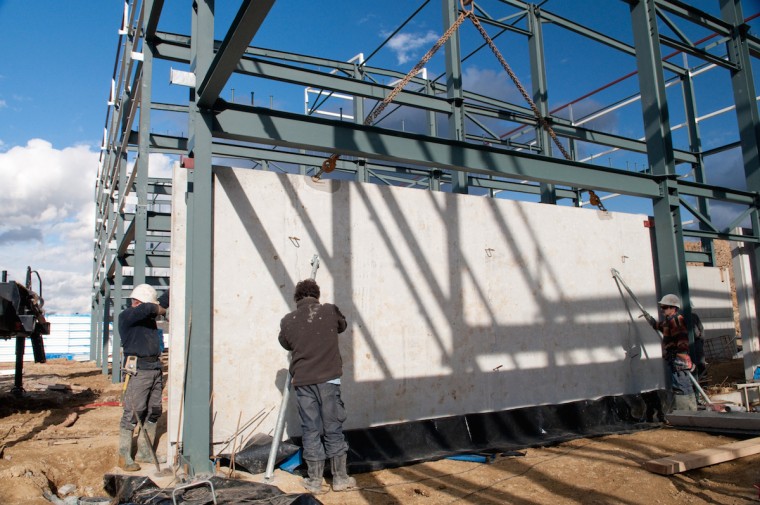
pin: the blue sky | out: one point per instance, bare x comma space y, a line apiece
58, 59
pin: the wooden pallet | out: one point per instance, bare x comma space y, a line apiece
704, 457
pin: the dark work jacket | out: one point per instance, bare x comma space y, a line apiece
311, 333
139, 335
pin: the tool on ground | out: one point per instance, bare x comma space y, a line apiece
700, 390
130, 369
649, 317
280, 425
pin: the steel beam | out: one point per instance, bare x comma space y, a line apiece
245, 25
540, 92
748, 119
196, 418
270, 127
670, 249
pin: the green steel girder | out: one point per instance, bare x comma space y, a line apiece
454, 88
695, 51
245, 25
316, 79
195, 450
540, 94
669, 239
724, 236
503, 111
608, 139
486, 19
168, 144
157, 259
697, 257
154, 280
604, 39
153, 8
270, 127
693, 14
156, 221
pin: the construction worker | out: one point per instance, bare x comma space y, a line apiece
311, 334
142, 398
675, 344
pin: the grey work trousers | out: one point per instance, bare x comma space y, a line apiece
322, 416
142, 400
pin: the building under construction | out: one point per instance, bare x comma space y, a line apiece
489, 250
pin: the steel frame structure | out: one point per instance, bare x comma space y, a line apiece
469, 158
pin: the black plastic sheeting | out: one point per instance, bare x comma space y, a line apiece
254, 456
395, 445
143, 491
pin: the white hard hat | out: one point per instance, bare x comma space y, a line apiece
145, 293
670, 300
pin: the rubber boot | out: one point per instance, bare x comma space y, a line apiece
126, 462
341, 481
144, 453
313, 483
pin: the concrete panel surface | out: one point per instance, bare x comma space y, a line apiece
455, 303
710, 293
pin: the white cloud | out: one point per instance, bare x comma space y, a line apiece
408, 45
3, 104
47, 220
159, 165
491, 83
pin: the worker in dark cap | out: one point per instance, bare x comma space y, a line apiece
311, 334
142, 398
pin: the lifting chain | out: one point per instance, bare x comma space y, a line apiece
593, 198
329, 164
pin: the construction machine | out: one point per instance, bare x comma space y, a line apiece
21, 316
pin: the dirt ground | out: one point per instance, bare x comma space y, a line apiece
38, 452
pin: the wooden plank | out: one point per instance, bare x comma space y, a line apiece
699, 419
703, 457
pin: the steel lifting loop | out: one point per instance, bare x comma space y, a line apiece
327, 166
465, 3
594, 199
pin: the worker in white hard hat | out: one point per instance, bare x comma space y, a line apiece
142, 398
675, 344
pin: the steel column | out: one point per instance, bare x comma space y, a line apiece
196, 418
671, 262
454, 88
540, 92
695, 144
743, 83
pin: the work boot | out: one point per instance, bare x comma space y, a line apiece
144, 451
341, 481
126, 462
313, 483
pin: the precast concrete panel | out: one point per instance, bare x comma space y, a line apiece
710, 295
455, 303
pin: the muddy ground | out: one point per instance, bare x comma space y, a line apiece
38, 452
